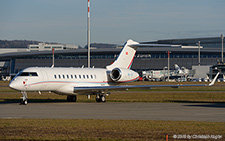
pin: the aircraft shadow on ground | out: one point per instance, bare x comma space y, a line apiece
34, 101
209, 105
203, 103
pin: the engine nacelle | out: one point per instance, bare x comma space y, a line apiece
123, 75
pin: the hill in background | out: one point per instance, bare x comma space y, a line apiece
16, 43
102, 45
25, 43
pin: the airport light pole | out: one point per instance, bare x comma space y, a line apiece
168, 52
53, 58
199, 63
164, 73
222, 48
88, 34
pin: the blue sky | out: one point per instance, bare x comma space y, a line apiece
112, 21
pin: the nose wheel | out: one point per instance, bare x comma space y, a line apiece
24, 98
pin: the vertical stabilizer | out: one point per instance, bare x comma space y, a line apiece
126, 56
177, 67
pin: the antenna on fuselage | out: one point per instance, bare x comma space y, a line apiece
53, 58
88, 34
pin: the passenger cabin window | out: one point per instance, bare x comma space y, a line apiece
28, 74
64, 76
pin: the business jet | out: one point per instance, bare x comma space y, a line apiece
85, 81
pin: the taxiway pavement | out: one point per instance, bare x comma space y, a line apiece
214, 112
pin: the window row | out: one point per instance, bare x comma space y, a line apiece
79, 76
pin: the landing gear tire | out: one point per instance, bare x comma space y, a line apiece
100, 98
23, 102
103, 99
71, 98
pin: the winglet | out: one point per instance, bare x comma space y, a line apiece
214, 79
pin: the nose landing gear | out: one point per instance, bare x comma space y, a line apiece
24, 98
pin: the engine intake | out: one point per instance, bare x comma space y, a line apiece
116, 74
123, 75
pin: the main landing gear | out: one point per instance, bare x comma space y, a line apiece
100, 98
71, 98
24, 98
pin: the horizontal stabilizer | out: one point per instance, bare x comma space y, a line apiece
154, 45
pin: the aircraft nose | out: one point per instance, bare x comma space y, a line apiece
13, 85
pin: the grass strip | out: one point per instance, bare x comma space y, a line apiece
93, 129
124, 96
182, 94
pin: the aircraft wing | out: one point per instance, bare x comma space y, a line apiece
125, 87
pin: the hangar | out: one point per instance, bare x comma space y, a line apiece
145, 59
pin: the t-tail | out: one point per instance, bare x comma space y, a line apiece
126, 56
177, 67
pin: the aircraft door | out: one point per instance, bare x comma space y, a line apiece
44, 85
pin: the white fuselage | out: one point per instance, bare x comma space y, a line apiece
74, 81
62, 80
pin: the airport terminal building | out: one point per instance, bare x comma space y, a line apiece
145, 59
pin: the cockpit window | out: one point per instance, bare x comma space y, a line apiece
28, 74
